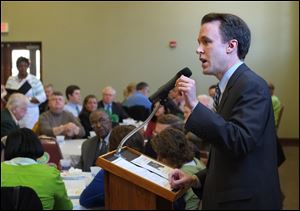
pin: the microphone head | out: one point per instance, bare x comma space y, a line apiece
185, 71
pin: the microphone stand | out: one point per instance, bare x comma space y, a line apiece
135, 130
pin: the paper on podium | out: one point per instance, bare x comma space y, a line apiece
152, 165
160, 179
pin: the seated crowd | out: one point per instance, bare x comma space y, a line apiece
101, 118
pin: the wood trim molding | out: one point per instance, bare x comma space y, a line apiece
289, 141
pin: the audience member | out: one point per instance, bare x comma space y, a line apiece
140, 97
151, 125
3, 95
212, 90
93, 194
35, 94
276, 109
89, 104
275, 103
74, 100
48, 91
163, 121
177, 98
20, 168
206, 100
113, 109
16, 109
92, 148
56, 121
174, 150
129, 90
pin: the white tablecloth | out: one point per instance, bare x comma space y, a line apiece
71, 149
75, 185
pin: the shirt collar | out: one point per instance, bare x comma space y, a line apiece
227, 75
21, 161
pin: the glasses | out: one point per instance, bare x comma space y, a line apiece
99, 121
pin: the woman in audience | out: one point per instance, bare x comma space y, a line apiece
163, 121
20, 168
93, 195
173, 149
90, 104
151, 125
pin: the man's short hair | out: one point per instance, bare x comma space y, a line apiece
70, 89
141, 86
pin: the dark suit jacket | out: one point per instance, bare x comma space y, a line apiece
242, 167
116, 109
89, 153
7, 123
84, 117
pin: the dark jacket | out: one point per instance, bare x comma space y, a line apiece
242, 167
7, 123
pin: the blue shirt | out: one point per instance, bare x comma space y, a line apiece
138, 99
223, 83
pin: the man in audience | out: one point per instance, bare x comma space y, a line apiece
92, 148
140, 97
93, 194
138, 106
16, 109
113, 109
212, 90
56, 121
74, 100
48, 90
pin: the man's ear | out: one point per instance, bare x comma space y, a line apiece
232, 46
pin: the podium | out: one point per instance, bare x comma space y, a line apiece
125, 188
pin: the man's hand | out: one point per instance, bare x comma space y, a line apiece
187, 87
178, 179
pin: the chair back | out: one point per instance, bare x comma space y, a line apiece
138, 112
280, 116
53, 153
20, 198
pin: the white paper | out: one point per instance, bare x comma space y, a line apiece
142, 172
152, 165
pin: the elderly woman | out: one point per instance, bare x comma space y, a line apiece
20, 168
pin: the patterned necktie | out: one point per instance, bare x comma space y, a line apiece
217, 97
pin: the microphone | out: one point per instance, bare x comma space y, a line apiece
163, 91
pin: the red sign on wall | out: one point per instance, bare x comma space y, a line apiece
4, 27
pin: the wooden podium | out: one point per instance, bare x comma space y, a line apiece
124, 189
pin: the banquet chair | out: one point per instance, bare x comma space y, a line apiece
53, 153
20, 198
138, 113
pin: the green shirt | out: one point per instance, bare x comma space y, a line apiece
276, 108
45, 180
191, 199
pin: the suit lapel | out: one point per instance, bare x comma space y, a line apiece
230, 84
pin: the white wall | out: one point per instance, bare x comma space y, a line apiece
94, 44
